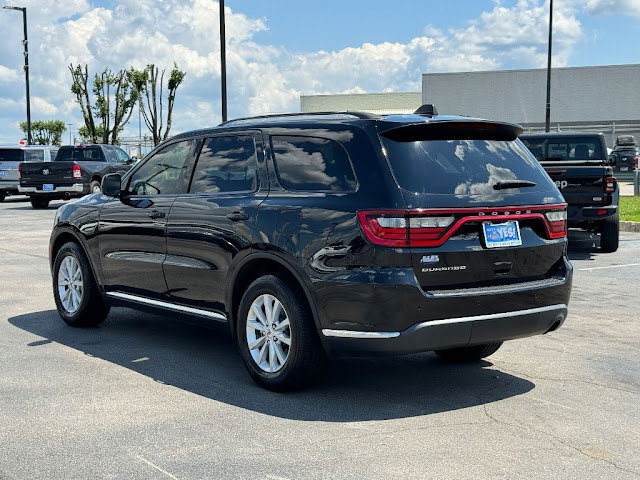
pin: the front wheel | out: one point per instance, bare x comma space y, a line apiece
39, 202
276, 335
469, 354
75, 291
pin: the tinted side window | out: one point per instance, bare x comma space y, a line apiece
226, 164
163, 173
122, 155
306, 163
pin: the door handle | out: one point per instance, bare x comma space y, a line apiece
237, 216
156, 214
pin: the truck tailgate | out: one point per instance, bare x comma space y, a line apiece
46, 172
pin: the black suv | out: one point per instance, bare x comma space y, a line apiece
333, 233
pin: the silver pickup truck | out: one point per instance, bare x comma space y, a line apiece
12, 155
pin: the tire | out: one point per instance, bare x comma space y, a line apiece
272, 363
75, 291
610, 234
95, 187
469, 354
39, 202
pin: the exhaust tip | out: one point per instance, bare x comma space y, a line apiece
556, 324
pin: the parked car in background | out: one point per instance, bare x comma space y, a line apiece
339, 233
11, 156
76, 171
579, 165
624, 157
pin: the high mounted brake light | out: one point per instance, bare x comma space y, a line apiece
432, 228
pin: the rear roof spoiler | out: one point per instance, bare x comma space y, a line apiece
454, 130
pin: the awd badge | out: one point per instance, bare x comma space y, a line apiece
430, 259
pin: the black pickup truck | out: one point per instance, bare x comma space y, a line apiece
76, 171
578, 164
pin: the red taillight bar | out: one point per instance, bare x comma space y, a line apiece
610, 184
407, 236
19, 173
77, 172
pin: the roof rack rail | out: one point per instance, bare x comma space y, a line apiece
362, 115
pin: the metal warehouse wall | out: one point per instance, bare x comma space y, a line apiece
578, 94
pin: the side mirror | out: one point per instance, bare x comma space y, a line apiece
112, 185
132, 160
612, 159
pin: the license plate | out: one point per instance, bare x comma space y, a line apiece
624, 169
47, 187
3, 173
501, 234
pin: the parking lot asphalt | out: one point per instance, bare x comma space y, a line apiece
148, 396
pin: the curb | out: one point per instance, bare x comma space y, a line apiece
630, 226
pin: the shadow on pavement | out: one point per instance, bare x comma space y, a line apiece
201, 358
583, 245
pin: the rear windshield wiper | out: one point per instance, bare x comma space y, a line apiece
513, 184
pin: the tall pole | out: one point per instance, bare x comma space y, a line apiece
26, 67
70, 125
223, 63
139, 131
548, 112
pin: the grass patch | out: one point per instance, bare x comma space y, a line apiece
630, 209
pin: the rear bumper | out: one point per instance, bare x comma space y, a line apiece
581, 215
449, 332
57, 192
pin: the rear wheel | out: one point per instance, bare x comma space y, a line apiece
469, 354
39, 202
95, 187
276, 335
610, 234
75, 291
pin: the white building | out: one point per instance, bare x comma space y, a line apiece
602, 98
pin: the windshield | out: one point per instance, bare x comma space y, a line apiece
462, 167
565, 148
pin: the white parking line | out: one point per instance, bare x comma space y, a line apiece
156, 467
610, 266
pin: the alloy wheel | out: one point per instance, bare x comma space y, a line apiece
268, 333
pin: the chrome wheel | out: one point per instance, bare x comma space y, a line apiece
268, 333
96, 189
70, 284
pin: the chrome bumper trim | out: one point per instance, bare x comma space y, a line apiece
445, 321
167, 306
75, 188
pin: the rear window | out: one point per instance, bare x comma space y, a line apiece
34, 155
460, 167
565, 148
11, 155
80, 154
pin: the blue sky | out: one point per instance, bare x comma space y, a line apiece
281, 49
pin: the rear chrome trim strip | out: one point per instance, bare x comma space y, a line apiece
445, 321
167, 306
354, 334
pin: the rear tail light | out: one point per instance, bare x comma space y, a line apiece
77, 173
432, 228
19, 173
557, 222
635, 163
610, 184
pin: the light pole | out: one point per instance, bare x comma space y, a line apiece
548, 109
70, 125
223, 63
26, 66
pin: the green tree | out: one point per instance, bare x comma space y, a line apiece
149, 92
106, 114
45, 132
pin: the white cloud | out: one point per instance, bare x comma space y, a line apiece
263, 78
615, 7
